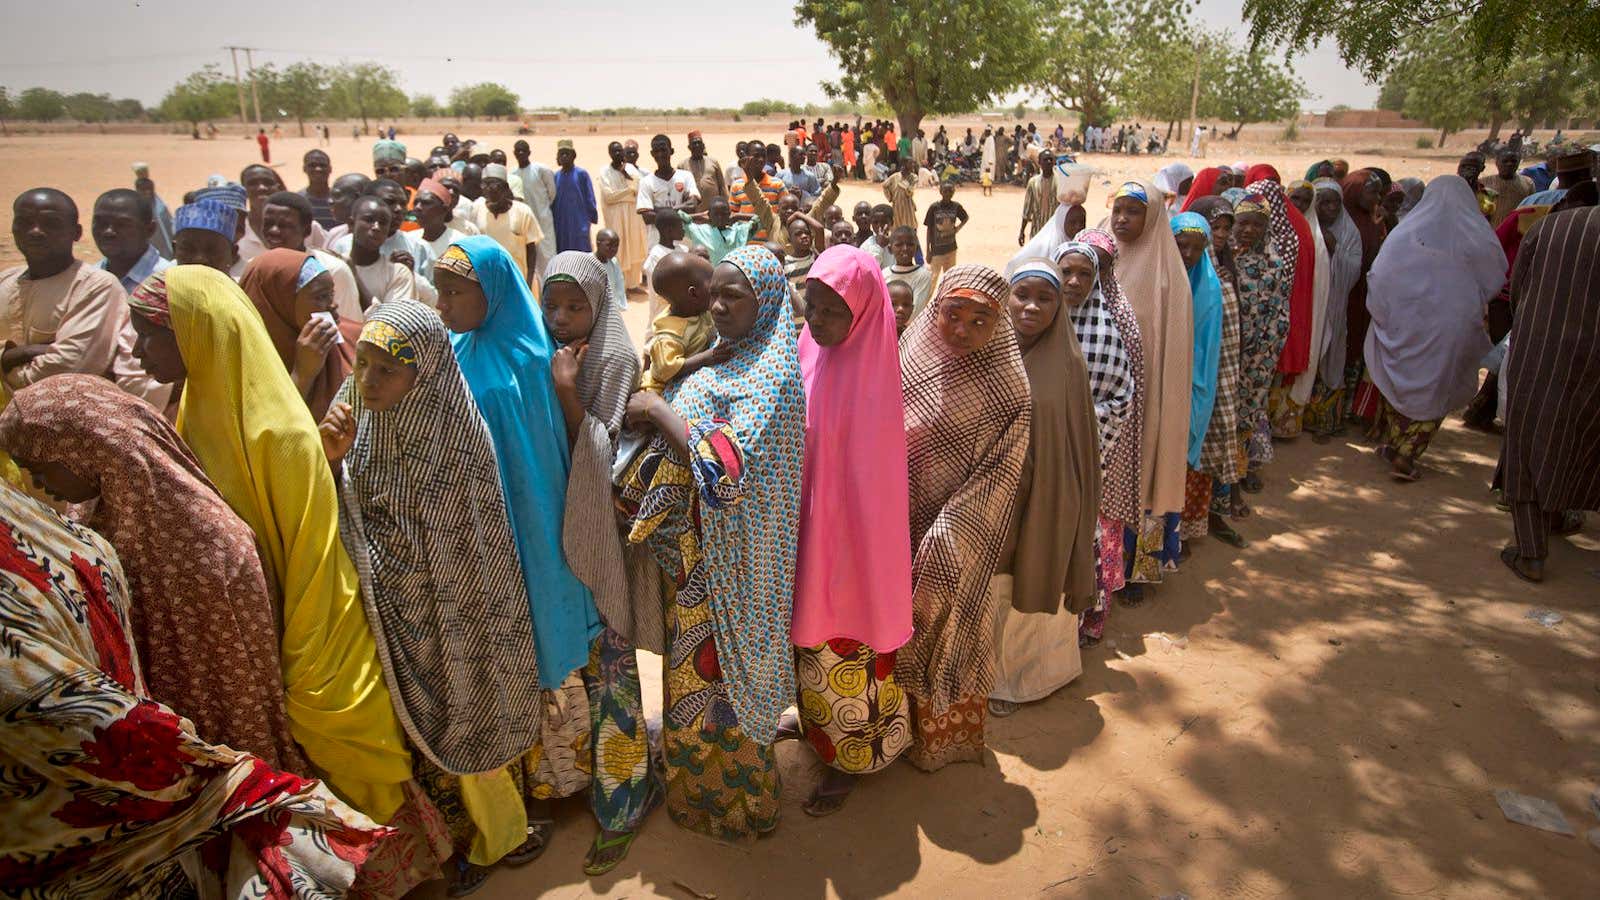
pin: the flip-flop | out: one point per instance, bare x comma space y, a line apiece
1513, 560
601, 845
469, 878
1002, 708
1228, 536
537, 831
1408, 475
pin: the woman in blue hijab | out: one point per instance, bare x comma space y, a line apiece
1193, 235
504, 351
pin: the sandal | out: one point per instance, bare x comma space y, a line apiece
1252, 483
467, 879
829, 798
1131, 596
788, 727
602, 844
1407, 474
1571, 523
1223, 532
1002, 708
533, 847
1515, 561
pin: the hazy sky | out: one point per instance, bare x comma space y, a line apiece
549, 53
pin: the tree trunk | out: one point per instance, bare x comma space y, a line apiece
1234, 134
907, 122
302, 126
1443, 133
1495, 122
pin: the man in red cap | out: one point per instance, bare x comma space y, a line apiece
706, 171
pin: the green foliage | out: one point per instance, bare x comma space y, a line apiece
364, 90
1371, 34
1087, 60
301, 91
1424, 142
483, 99
1251, 88
1392, 95
86, 107
928, 57
423, 106
41, 105
204, 95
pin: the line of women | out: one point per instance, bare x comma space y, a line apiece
408, 561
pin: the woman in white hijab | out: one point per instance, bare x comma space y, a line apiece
1426, 292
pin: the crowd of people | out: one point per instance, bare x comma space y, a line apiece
332, 519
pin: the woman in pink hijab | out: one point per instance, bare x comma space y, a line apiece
852, 586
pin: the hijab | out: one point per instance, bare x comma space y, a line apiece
1157, 286
203, 619
1050, 544
257, 442
1205, 185
1111, 382
1291, 236
424, 520
853, 567
271, 281
750, 545
967, 420
1427, 293
1122, 495
506, 361
1343, 271
1212, 208
608, 376
1205, 291
1413, 188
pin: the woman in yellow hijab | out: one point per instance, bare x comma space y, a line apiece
253, 435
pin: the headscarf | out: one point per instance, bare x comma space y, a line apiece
608, 375
1340, 169
1157, 285
108, 789
1321, 283
1427, 293
425, 523
1344, 272
1369, 224
506, 361
967, 420
853, 566
269, 281
1205, 185
202, 619
1311, 173
1234, 194
1169, 180
749, 546
1049, 548
1213, 208
1537, 198
1123, 495
257, 442
1291, 237
149, 300
1111, 383
1205, 291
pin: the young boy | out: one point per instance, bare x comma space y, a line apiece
669, 237
606, 245
370, 223
878, 243
904, 305
680, 335
945, 217
903, 244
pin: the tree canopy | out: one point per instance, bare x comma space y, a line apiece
205, 94
363, 90
1371, 34
927, 57
484, 99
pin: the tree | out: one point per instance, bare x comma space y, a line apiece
927, 57
1252, 88
364, 90
483, 99
423, 106
7, 109
301, 91
41, 105
1370, 34
204, 95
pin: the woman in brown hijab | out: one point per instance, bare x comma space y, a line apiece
203, 619
294, 295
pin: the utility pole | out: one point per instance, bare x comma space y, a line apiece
250, 61
234, 53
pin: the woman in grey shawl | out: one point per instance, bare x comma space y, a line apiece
1324, 415
595, 370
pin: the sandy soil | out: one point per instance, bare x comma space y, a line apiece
1328, 716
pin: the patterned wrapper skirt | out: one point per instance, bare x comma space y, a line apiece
1108, 575
1325, 410
1196, 506
955, 735
852, 712
1408, 438
1284, 413
1259, 441
1152, 550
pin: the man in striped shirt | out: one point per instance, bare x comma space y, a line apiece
771, 188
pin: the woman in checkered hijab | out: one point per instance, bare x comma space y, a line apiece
968, 412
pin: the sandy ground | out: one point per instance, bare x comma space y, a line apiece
1328, 714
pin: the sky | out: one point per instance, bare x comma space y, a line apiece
548, 55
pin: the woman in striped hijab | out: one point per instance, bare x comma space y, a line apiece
968, 412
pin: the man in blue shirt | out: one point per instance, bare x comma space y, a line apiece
797, 179
123, 224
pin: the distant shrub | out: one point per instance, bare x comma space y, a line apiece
1424, 142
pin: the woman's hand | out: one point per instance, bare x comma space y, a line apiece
641, 411
338, 431
566, 364
312, 346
